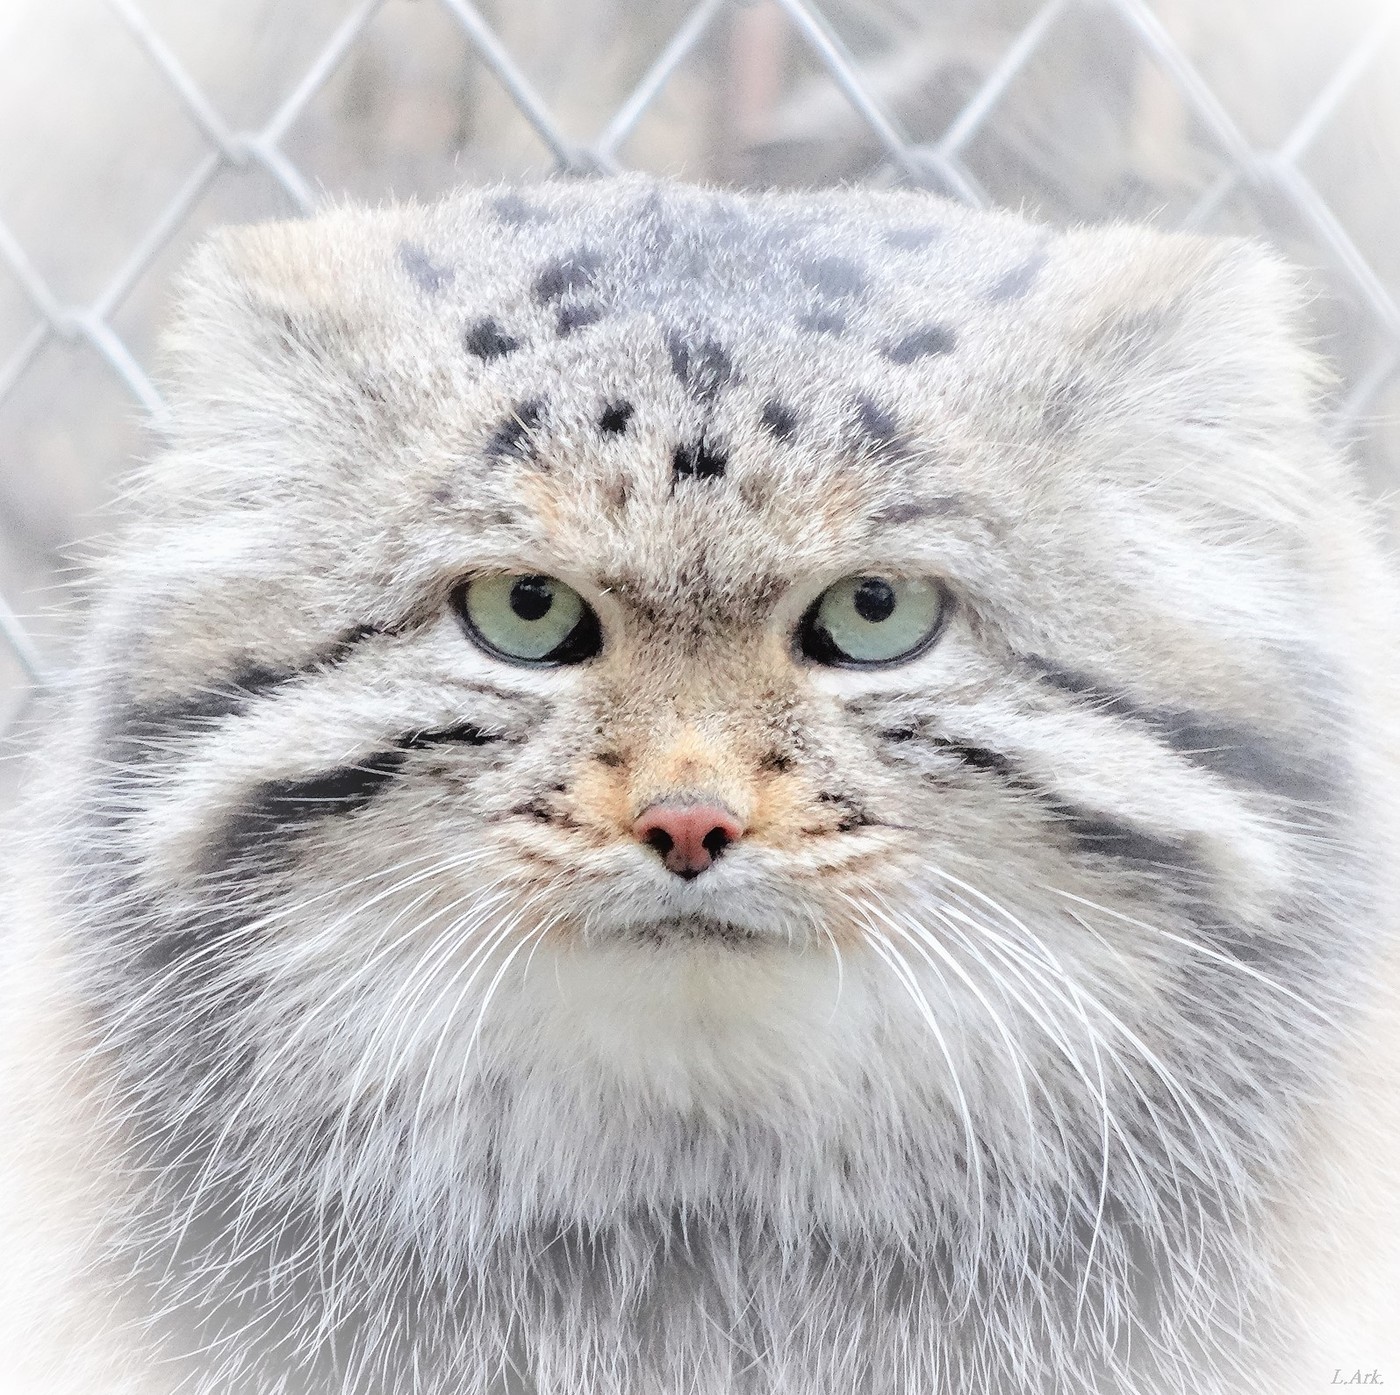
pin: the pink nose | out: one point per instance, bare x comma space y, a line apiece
688, 834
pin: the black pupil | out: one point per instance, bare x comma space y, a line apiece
531, 597
874, 600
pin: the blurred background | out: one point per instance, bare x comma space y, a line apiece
130, 127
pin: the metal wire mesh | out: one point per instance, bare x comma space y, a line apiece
883, 131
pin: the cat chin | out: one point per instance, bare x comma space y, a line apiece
674, 931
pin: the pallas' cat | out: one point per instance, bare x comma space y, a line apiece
674, 792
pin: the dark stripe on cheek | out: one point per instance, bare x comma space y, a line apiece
1093, 833
278, 809
1239, 754
1090, 830
282, 807
138, 731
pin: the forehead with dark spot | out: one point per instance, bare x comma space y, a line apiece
557, 261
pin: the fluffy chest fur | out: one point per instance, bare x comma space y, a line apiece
978, 1060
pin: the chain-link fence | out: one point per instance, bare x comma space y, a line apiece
132, 126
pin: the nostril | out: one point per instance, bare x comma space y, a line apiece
687, 834
716, 840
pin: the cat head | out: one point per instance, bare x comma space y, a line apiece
608, 663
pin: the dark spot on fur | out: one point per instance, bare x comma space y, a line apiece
615, 417
913, 239
487, 340
1019, 279
703, 367
572, 273
573, 317
823, 321
780, 420
851, 815
922, 343
511, 439
426, 275
701, 461
609, 758
833, 276
515, 212
876, 422
776, 762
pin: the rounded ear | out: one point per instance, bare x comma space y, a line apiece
1190, 373
286, 342
262, 298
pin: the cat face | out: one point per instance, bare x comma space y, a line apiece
393, 865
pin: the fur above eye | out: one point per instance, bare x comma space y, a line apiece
866, 621
528, 619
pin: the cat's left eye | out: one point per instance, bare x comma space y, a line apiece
529, 619
868, 621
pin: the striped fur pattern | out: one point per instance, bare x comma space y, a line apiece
980, 1065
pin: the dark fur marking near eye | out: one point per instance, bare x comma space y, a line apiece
138, 731
487, 340
913, 239
609, 758
576, 317
511, 439
1018, 281
572, 273
926, 342
1236, 753
701, 461
615, 418
823, 321
778, 420
833, 275
778, 762
278, 808
515, 212
703, 367
424, 272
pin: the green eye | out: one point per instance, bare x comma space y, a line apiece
529, 619
870, 620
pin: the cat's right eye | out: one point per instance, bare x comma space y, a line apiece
535, 620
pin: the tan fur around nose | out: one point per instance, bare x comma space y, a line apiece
691, 760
